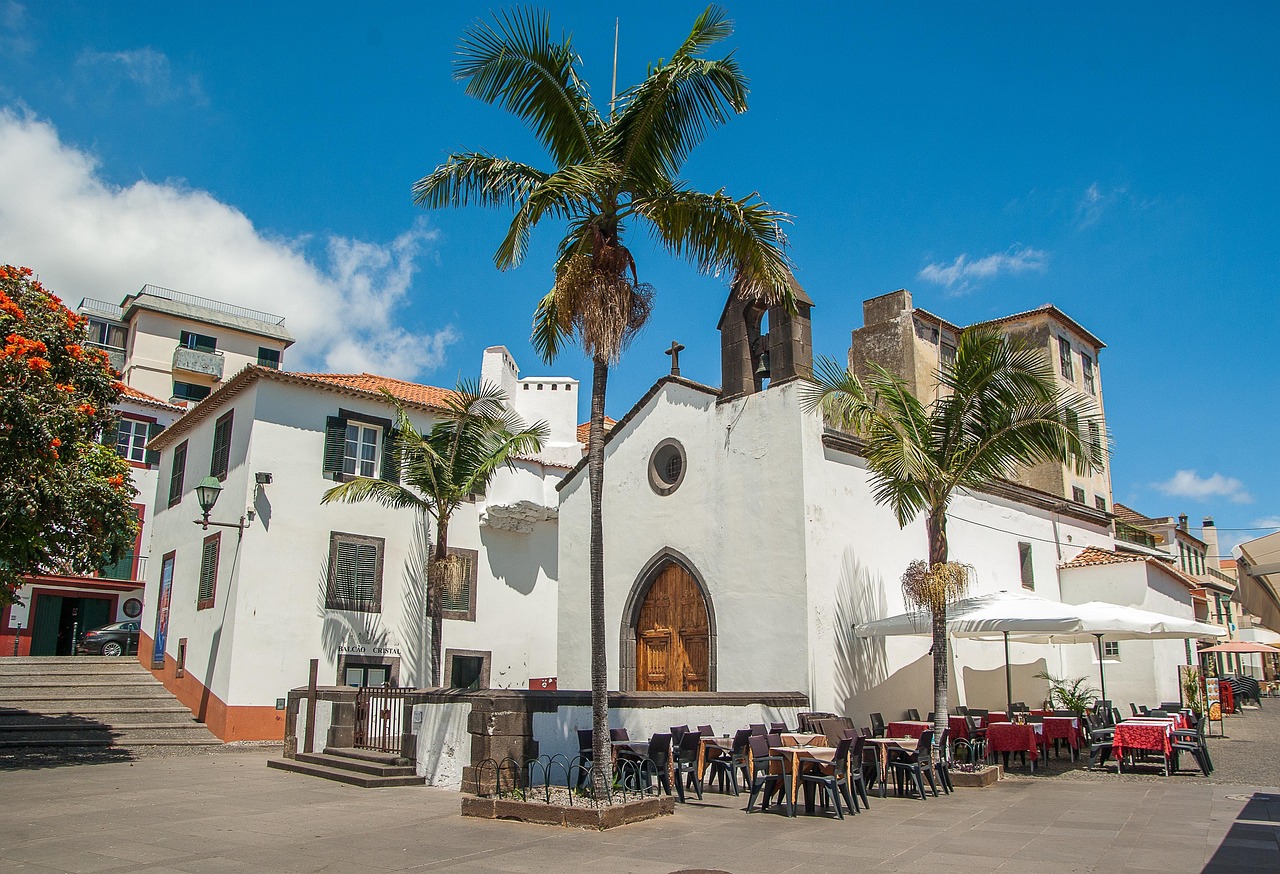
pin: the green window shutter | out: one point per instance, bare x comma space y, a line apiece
220, 463
178, 474
120, 570
391, 455
153, 431
335, 439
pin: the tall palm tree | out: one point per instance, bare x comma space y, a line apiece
606, 172
997, 410
474, 437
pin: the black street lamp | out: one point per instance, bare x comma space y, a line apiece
207, 491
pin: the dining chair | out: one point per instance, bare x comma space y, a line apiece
942, 766
764, 777
618, 734
877, 725
860, 763
1133, 709
686, 764
759, 729
832, 778
677, 733
778, 727
660, 755
728, 763
706, 731
913, 714
915, 765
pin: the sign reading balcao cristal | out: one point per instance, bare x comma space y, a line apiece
357, 648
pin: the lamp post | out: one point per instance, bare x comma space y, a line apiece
207, 491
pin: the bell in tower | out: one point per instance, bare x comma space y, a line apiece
750, 354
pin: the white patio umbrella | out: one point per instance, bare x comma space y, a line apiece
985, 617
1029, 619
1101, 619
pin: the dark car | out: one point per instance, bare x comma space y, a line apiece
115, 639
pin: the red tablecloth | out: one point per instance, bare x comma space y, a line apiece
907, 728
1062, 728
1006, 737
1226, 697
1149, 736
997, 716
959, 728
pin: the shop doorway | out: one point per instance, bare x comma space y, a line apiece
60, 621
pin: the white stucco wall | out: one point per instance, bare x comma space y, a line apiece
153, 337
793, 550
269, 616
1146, 671
443, 744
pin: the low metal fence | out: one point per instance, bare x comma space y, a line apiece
380, 718
559, 779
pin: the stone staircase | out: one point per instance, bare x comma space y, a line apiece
64, 705
365, 768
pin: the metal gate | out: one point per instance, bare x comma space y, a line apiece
380, 718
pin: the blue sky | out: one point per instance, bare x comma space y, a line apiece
1117, 160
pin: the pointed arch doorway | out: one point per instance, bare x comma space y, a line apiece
669, 641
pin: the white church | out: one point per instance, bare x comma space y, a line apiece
742, 545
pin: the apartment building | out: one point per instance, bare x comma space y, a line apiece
914, 344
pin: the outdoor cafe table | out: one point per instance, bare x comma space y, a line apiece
1011, 737
1063, 728
1143, 736
802, 739
883, 745
993, 716
792, 755
907, 728
712, 747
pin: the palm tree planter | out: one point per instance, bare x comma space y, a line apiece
997, 410
608, 172
474, 437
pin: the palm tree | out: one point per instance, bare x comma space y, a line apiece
997, 410
474, 436
608, 172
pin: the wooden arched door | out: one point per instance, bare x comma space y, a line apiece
672, 635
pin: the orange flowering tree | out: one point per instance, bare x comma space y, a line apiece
65, 498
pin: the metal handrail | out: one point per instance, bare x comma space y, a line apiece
207, 303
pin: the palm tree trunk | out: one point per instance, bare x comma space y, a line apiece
600, 748
937, 528
434, 579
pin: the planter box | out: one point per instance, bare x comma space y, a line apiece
576, 816
988, 776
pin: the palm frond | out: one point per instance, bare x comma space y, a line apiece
362, 488
719, 234
670, 112
475, 177
571, 192
514, 62
551, 329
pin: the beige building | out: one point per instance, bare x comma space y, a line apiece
179, 346
914, 343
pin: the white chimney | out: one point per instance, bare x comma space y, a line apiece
1209, 534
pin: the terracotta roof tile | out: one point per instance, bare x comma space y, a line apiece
1092, 555
411, 392
141, 397
584, 430
1131, 516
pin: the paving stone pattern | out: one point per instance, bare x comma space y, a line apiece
227, 811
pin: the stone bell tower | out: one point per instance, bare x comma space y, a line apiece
749, 355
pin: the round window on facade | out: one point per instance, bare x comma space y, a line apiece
667, 466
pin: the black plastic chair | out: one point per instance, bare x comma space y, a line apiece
1192, 740
913, 714
659, 754
618, 734
706, 731
728, 763
877, 725
860, 765
961, 710
686, 764
832, 778
677, 733
917, 766
778, 727
762, 776
941, 767
1100, 746
759, 729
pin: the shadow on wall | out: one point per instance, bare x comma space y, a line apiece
861, 664
517, 557
987, 688
415, 624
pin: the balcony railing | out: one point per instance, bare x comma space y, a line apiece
102, 308
217, 305
115, 354
198, 361
1130, 534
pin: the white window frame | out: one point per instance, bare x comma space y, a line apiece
135, 445
355, 464
1064, 358
1111, 649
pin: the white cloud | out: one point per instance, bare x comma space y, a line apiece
86, 237
145, 68
1267, 522
1094, 202
964, 273
13, 28
1189, 484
